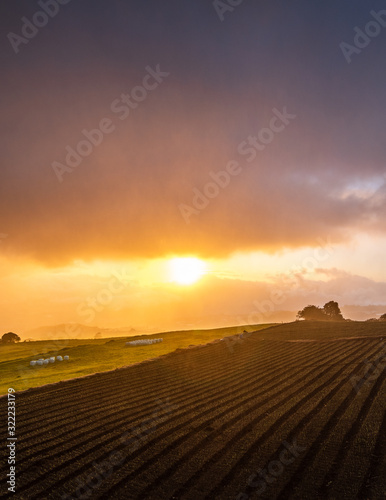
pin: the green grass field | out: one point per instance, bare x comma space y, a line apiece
91, 356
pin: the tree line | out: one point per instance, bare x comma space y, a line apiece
329, 312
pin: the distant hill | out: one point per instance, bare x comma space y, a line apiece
362, 313
80, 331
209, 321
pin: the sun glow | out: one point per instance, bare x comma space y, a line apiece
186, 270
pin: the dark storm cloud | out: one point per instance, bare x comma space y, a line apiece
225, 79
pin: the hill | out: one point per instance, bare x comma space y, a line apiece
89, 356
76, 331
288, 412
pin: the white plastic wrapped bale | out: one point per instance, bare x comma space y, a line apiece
66, 358
39, 362
143, 342
52, 359
59, 358
46, 361
32, 363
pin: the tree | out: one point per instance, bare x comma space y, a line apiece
383, 317
311, 313
332, 311
10, 338
329, 312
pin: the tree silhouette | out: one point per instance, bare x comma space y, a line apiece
329, 312
383, 317
331, 309
311, 313
10, 338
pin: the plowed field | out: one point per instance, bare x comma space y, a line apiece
263, 417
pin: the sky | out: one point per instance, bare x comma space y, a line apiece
249, 135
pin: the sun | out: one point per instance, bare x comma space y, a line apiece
186, 270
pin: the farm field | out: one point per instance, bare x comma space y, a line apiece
290, 412
89, 356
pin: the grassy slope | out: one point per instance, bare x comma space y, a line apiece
90, 356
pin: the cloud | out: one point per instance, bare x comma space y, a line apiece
123, 200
